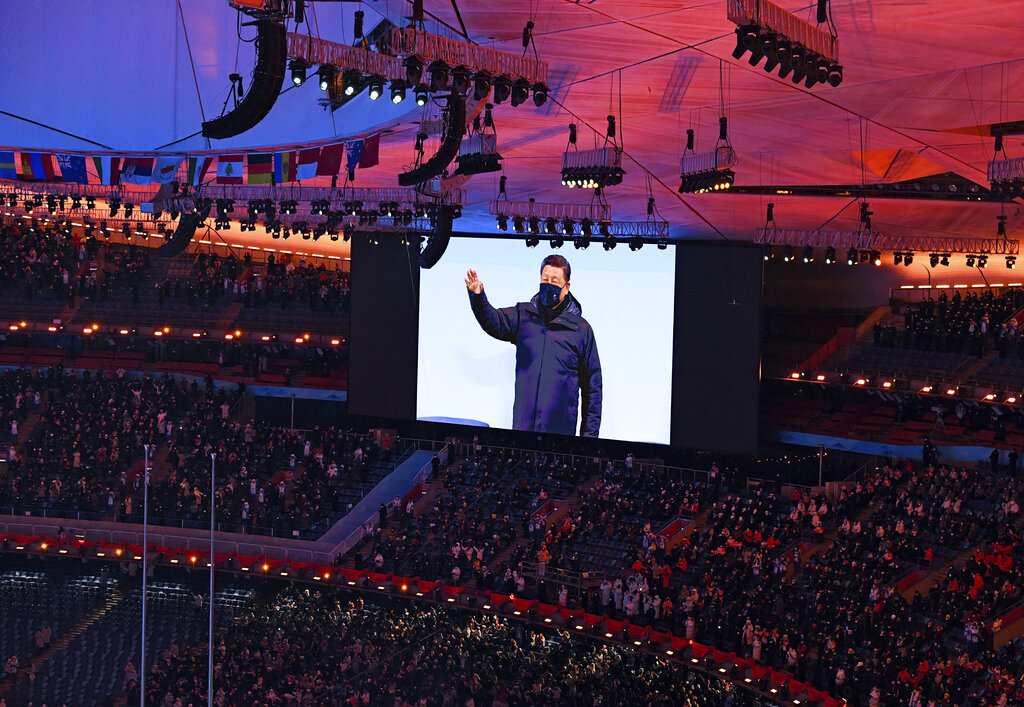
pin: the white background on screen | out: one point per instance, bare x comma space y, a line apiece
626, 296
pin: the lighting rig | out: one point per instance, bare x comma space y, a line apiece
706, 171
592, 169
867, 246
426, 63
478, 153
1006, 176
580, 223
788, 44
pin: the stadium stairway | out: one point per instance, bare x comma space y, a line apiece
114, 597
394, 485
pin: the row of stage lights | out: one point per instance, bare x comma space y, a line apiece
567, 227
54, 203
786, 56
91, 230
423, 81
874, 257
236, 335
892, 384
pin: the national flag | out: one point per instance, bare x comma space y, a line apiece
353, 151
197, 169
330, 160
371, 152
137, 170
305, 167
72, 168
108, 170
37, 167
230, 168
284, 167
7, 166
166, 168
259, 167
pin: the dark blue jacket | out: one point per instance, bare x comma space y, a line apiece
556, 362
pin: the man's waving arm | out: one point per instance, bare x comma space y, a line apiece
500, 323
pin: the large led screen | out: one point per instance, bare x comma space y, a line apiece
595, 360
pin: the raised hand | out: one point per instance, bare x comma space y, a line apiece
473, 282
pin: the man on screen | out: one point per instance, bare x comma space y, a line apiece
556, 355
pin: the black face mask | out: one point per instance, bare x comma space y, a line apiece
550, 295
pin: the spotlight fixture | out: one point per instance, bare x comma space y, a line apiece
970, 261
532, 242
540, 94
534, 225
876, 258
609, 243
767, 253
413, 70
421, 95
557, 243
945, 259
933, 259
502, 88
586, 228
808, 254
502, 223
397, 92
460, 80
375, 87
908, 258
326, 73
897, 258
520, 92
982, 261
519, 224
298, 70
481, 85
567, 227
115, 206
439, 76
830, 255
1011, 262
550, 226
636, 243
351, 82
581, 243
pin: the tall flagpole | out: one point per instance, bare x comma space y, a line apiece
213, 469
145, 547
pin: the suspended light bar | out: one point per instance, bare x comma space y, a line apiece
877, 241
707, 171
560, 212
478, 154
590, 169
432, 62
790, 44
1006, 177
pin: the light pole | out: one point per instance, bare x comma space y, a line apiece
145, 546
213, 498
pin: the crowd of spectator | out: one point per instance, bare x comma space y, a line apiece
481, 511
323, 648
969, 324
38, 259
78, 463
287, 283
807, 584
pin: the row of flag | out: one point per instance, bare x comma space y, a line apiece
248, 168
